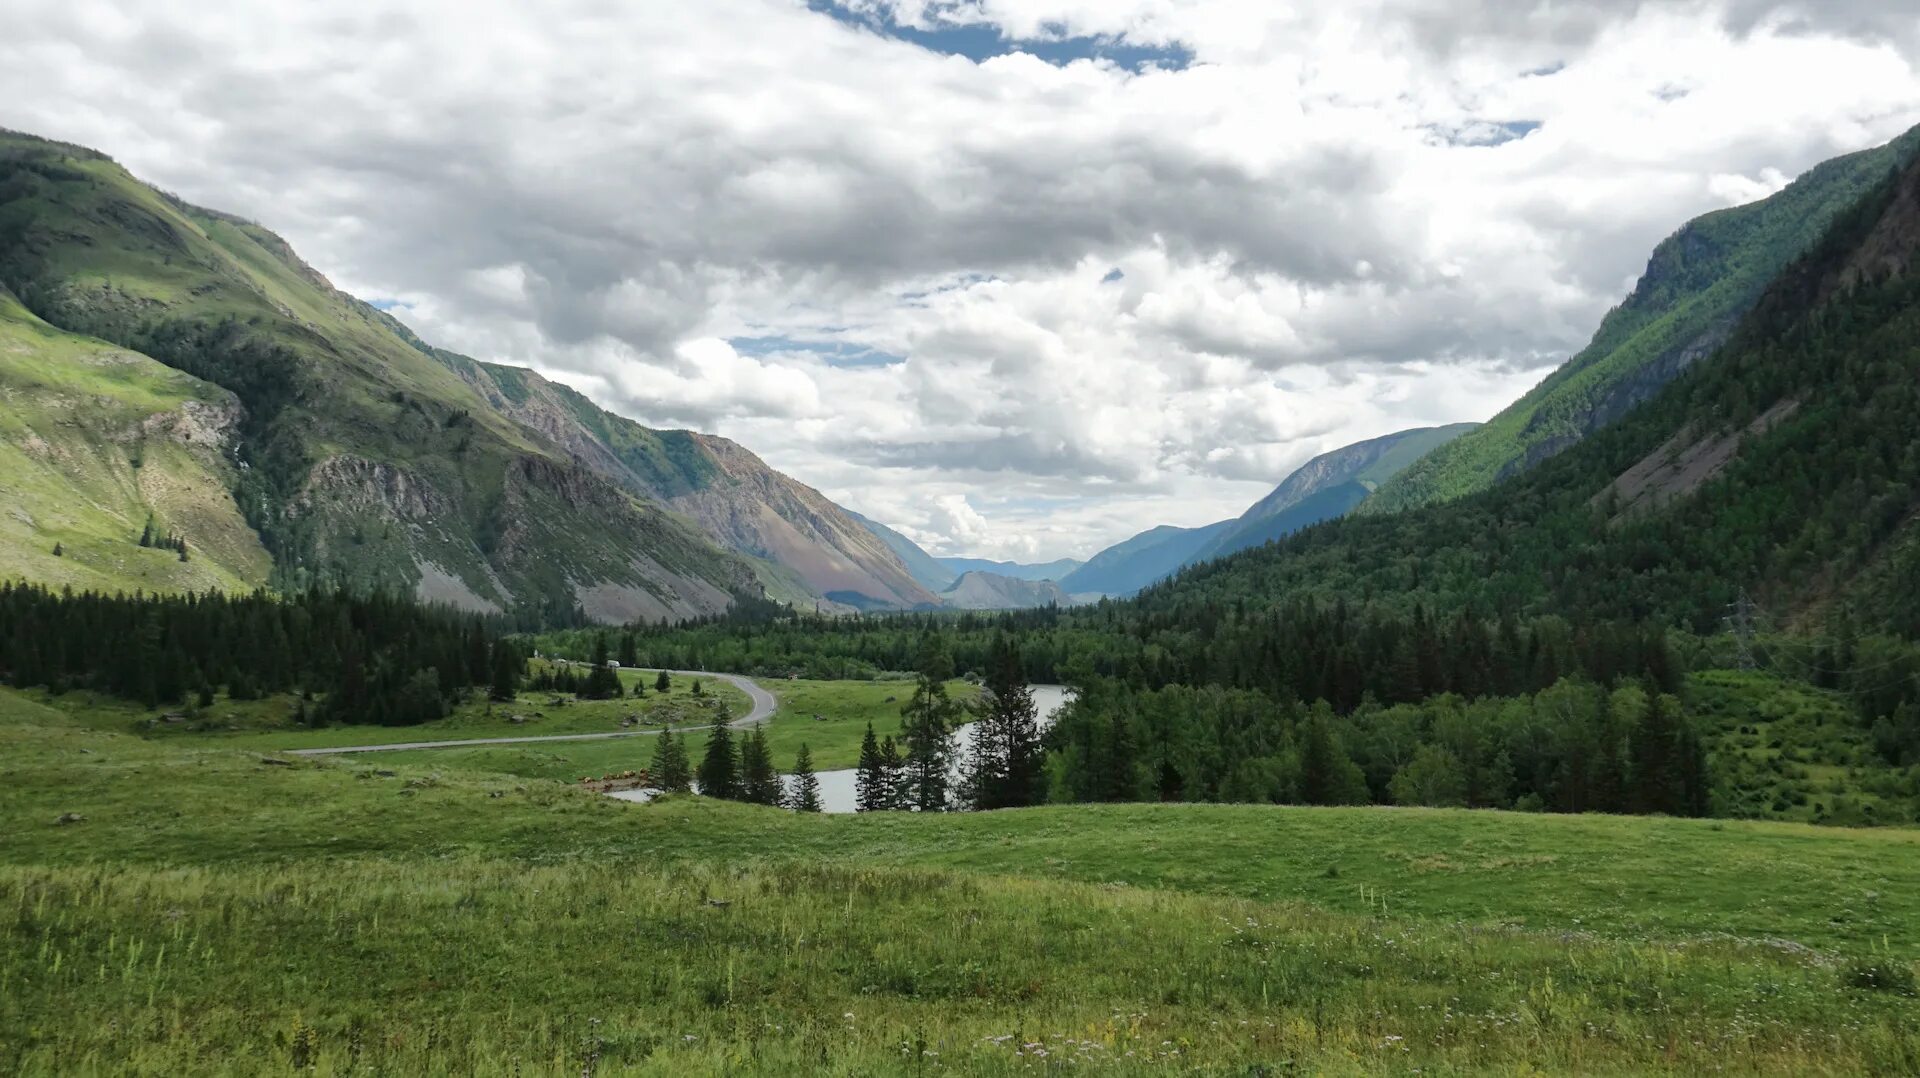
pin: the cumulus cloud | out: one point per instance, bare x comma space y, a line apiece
1011, 306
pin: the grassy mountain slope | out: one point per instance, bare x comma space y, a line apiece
1328, 486
1696, 287
725, 490
927, 569
1132, 564
360, 458
94, 441
1787, 464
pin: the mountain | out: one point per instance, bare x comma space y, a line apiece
1329, 486
356, 454
729, 492
1132, 564
926, 568
1052, 570
980, 590
93, 440
1697, 286
1784, 465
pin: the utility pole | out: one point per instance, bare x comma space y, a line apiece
1740, 623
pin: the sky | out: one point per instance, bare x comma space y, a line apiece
1019, 278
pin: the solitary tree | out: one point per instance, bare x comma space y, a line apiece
671, 771
697, 690
720, 767
58, 550
663, 683
806, 785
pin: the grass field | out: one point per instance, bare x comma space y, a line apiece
843, 708
213, 912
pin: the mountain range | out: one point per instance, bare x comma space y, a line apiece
188, 405
178, 366
1779, 472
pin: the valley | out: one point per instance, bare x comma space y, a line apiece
729, 667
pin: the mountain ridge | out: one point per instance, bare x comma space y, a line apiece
1698, 284
363, 457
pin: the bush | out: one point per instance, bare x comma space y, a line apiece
1882, 976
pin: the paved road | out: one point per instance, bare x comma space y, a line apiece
762, 710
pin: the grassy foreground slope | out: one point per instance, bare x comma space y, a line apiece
213, 913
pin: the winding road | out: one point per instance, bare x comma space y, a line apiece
762, 710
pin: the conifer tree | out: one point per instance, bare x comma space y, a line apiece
602, 682
927, 723
806, 785
59, 551
663, 683
759, 781
1004, 766
872, 790
670, 770
720, 767
629, 654
898, 797
1328, 776
507, 664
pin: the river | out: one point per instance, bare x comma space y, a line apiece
837, 787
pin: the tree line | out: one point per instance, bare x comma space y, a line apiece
363, 658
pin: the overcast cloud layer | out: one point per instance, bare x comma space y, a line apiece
1014, 308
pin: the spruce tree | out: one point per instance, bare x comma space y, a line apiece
720, 767
602, 682
759, 781
670, 770
806, 785
897, 795
927, 723
663, 683
1328, 776
506, 672
872, 790
1004, 767
59, 551
629, 654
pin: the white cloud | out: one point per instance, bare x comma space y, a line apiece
1319, 233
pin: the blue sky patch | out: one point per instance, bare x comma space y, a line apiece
979, 42
832, 353
1485, 132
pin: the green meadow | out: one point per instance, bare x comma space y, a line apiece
209, 907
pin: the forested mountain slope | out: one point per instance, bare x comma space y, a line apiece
1132, 564
1698, 284
362, 456
1787, 464
1328, 486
